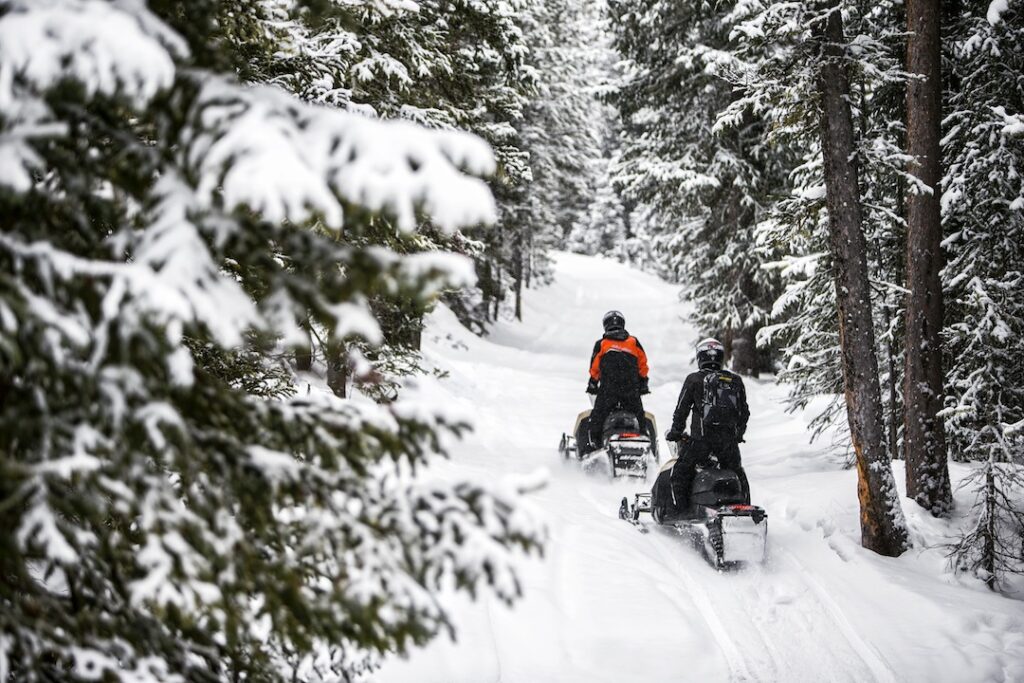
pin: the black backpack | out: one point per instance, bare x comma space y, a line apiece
721, 403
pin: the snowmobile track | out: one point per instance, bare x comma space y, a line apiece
739, 672
880, 670
859, 663
771, 667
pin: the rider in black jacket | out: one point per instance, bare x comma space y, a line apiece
717, 401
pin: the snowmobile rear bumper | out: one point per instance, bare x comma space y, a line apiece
727, 535
629, 455
626, 456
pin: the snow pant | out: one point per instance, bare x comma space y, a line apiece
679, 478
583, 437
607, 402
664, 505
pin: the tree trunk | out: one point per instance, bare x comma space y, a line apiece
894, 436
486, 289
726, 340
745, 359
519, 284
416, 336
924, 437
881, 519
304, 353
988, 548
893, 415
337, 368
529, 260
499, 293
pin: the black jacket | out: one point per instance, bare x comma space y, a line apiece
691, 400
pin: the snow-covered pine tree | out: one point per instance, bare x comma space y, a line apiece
777, 75
603, 229
449, 65
699, 189
160, 518
564, 130
879, 106
983, 210
799, 66
579, 73
883, 529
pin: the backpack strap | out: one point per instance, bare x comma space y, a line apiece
707, 398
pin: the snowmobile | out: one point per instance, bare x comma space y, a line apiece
720, 521
624, 445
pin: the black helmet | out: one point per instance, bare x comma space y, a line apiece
613, 320
710, 354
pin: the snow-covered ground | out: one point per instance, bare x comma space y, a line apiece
609, 604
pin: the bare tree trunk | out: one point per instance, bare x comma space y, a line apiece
881, 520
924, 436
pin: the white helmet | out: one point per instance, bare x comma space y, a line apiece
710, 354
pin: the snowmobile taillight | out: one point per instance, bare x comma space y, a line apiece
743, 508
629, 435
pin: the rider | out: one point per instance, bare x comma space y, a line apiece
718, 402
618, 375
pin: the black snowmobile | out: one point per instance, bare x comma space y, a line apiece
720, 521
624, 445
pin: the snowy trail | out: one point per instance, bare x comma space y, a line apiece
609, 604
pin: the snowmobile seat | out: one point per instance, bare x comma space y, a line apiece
619, 422
581, 433
713, 487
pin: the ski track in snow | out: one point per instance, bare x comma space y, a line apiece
607, 603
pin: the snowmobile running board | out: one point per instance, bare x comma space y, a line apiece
729, 536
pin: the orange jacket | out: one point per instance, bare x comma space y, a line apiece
628, 345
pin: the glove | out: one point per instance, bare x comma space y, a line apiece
673, 436
739, 437
592, 386
644, 386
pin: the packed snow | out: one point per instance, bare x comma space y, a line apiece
607, 603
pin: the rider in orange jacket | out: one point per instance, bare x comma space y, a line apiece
618, 375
